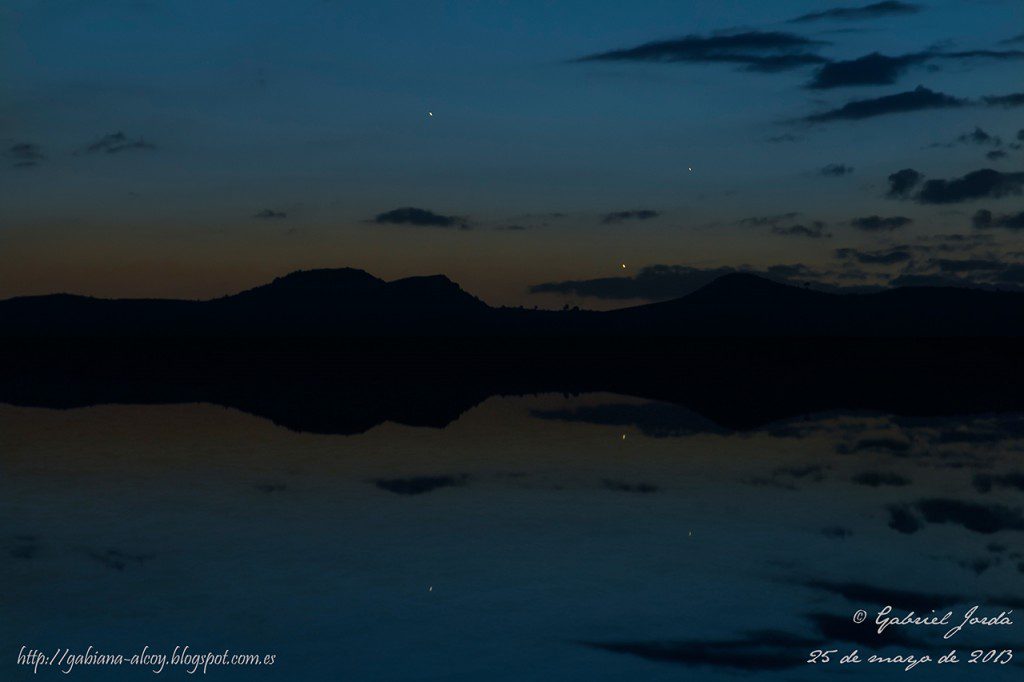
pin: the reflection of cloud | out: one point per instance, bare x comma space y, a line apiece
875, 479
657, 420
755, 651
418, 485
1013, 480
979, 518
623, 487
836, 532
859, 593
902, 519
116, 559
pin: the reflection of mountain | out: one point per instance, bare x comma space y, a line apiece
730, 384
338, 351
347, 303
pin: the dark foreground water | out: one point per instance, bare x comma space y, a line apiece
596, 537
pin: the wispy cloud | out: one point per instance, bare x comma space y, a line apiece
836, 170
268, 213
872, 11
638, 214
874, 223
985, 219
420, 217
757, 50
25, 154
880, 69
115, 143
913, 100
980, 184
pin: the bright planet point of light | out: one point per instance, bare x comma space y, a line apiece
623, 266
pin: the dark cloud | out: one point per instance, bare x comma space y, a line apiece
979, 136
979, 184
115, 143
654, 283
638, 214
913, 100
898, 254
815, 230
836, 170
966, 264
985, 219
790, 271
880, 69
902, 181
874, 223
872, 69
1005, 101
759, 51
418, 485
872, 11
995, 155
766, 220
270, 213
419, 217
25, 154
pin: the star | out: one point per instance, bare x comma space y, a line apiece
689, 168
430, 114
623, 266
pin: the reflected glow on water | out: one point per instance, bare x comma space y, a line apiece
547, 537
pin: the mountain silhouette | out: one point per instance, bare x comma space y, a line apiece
350, 303
338, 351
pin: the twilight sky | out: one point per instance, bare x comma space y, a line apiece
193, 149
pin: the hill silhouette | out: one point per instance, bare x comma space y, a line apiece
350, 303
338, 351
